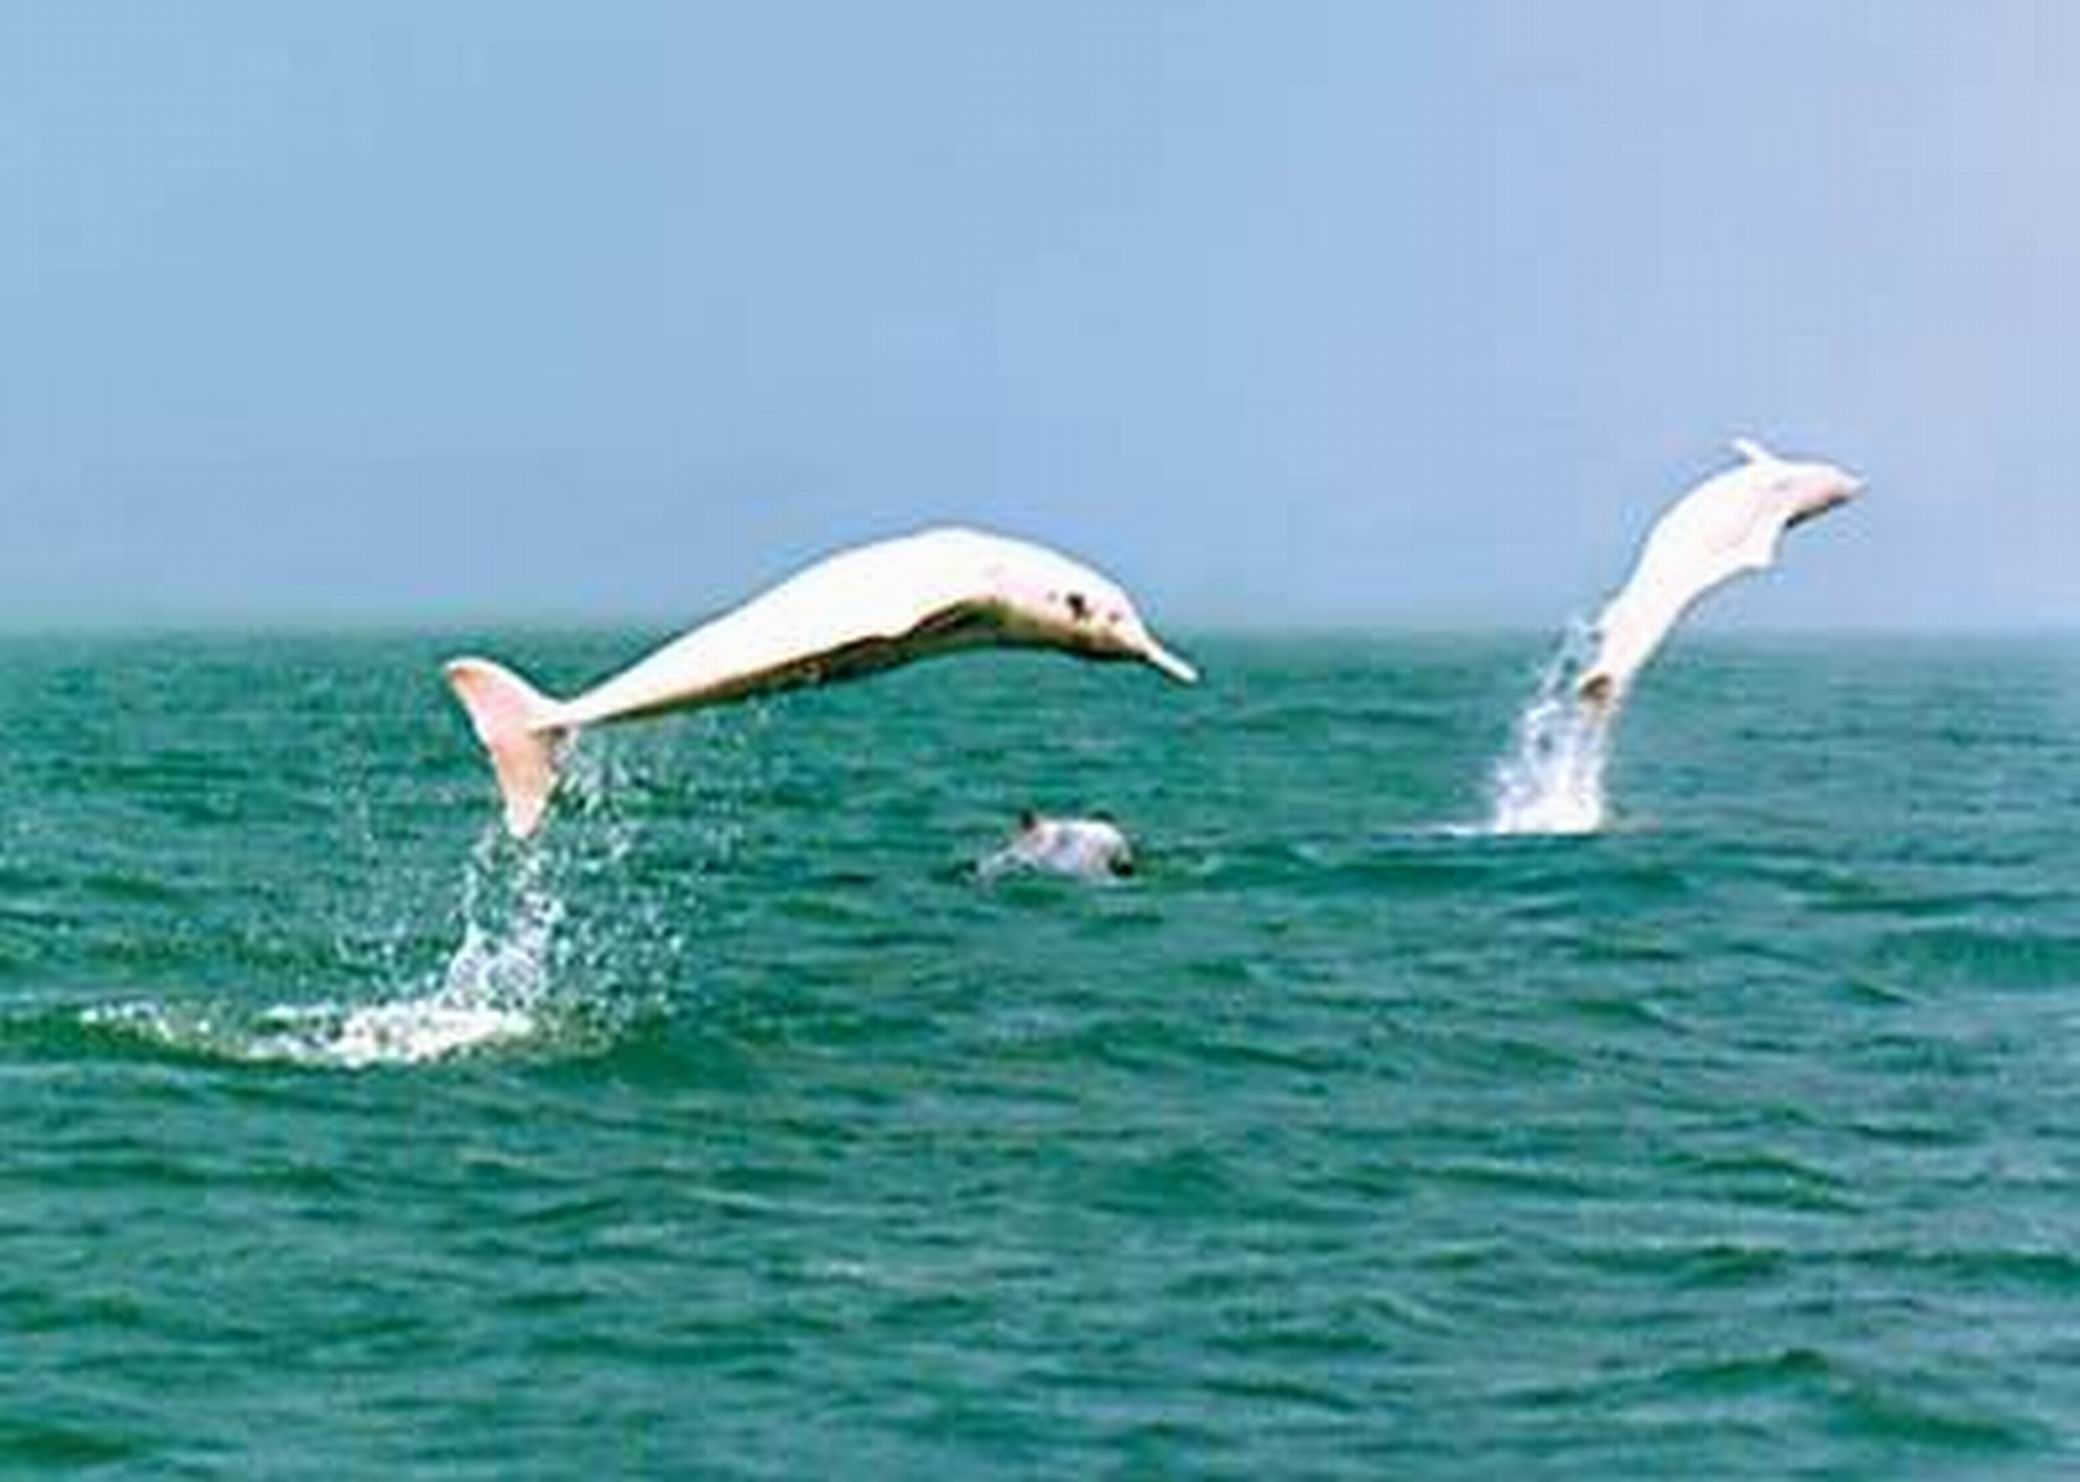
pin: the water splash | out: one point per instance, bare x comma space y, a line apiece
1551, 782
556, 950
496, 990
499, 988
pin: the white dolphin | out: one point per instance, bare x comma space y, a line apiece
1089, 848
852, 614
1728, 525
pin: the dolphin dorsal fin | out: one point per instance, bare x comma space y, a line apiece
1753, 451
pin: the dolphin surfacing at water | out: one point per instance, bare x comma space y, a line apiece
855, 613
1726, 526
1084, 848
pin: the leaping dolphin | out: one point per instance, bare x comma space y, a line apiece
1728, 525
853, 614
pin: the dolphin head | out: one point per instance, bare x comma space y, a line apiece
1134, 641
1097, 619
1812, 489
1065, 605
1806, 490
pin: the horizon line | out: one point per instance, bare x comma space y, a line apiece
431, 624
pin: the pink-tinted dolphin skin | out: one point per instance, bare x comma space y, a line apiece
1728, 525
853, 614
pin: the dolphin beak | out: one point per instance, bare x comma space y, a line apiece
1156, 656
1849, 487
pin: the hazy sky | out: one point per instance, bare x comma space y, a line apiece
1288, 311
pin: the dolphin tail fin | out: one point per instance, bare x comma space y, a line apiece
518, 726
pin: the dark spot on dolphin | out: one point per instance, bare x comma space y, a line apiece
1079, 607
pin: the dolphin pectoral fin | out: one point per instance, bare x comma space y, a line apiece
514, 721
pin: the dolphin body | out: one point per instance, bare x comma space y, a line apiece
1726, 526
852, 614
1085, 848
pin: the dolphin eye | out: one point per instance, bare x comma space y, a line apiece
1079, 608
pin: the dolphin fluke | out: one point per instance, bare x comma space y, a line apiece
518, 726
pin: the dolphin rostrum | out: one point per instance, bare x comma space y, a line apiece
1728, 525
853, 614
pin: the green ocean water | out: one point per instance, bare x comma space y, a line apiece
737, 1130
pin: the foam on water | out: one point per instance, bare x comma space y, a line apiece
1551, 782
498, 989
524, 975
495, 990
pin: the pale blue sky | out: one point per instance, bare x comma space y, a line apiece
1285, 313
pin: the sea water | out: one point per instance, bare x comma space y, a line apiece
736, 1129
